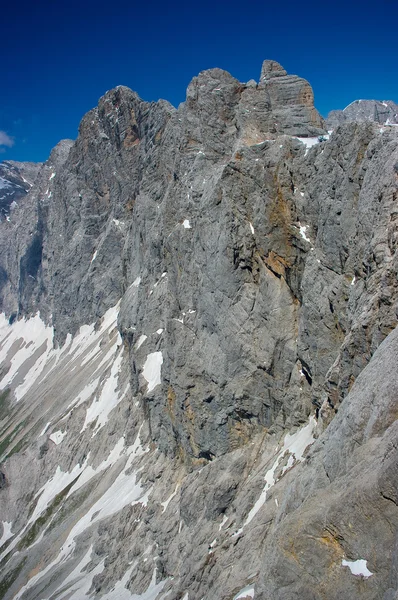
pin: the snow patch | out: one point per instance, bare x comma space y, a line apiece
108, 398
303, 230
45, 428
118, 451
187, 224
152, 370
34, 341
357, 567
140, 341
295, 444
85, 394
124, 490
57, 437
251, 228
79, 581
6, 532
309, 142
224, 520
169, 499
246, 592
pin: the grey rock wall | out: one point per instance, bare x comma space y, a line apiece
254, 258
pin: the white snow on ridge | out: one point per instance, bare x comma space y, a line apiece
123, 491
309, 142
89, 472
152, 371
27, 345
357, 567
85, 394
169, 499
34, 343
5, 184
224, 520
79, 581
246, 592
58, 482
295, 444
140, 341
303, 230
6, 532
45, 428
122, 593
107, 399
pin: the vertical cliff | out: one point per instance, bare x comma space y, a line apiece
194, 401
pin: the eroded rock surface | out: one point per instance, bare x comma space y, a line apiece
226, 425
16, 180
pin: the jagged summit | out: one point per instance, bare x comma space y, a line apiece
279, 104
271, 68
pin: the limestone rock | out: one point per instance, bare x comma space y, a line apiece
198, 345
385, 113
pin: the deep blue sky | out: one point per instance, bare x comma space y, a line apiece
58, 58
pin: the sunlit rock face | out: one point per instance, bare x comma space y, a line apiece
197, 350
365, 111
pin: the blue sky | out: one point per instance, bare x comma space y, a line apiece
58, 58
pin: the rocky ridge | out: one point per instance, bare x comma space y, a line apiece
16, 180
365, 111
239, 268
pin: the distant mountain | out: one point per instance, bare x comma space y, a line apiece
362, 111
16, 179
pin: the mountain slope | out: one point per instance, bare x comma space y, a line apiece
385, 113
197, 401
16, 179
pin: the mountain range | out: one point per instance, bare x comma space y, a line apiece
198, 351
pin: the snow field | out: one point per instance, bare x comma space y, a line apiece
152, 370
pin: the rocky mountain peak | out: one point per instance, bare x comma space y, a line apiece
198, 346
271, 68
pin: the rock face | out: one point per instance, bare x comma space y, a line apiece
365, 111
198, 353
16, 179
